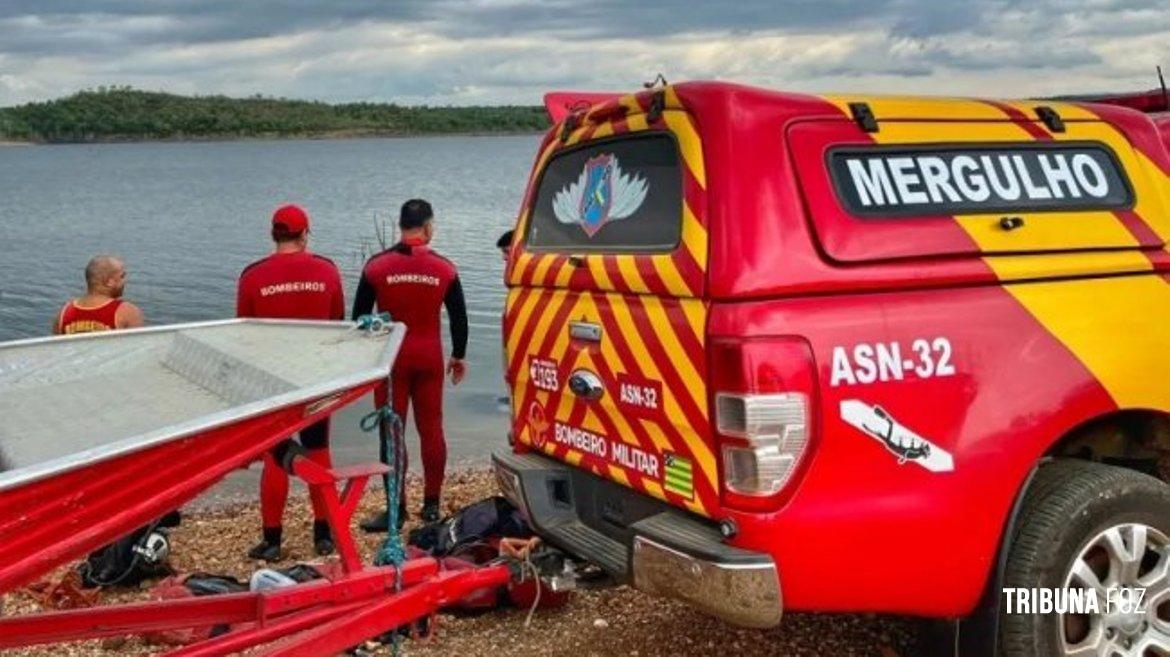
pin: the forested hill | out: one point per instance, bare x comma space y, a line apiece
122, 113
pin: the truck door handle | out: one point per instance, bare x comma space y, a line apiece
1011, 223
587, 331
586, 384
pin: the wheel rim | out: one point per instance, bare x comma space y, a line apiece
1115, 564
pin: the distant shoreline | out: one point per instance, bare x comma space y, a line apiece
125, 115
326, 136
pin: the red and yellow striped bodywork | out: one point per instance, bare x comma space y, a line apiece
653, 314
1086, 316
1053, 326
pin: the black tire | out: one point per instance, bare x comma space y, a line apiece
1069, 502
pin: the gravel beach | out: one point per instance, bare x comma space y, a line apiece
613, 621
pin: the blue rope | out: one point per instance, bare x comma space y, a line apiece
372, 322
390, 427
392, 552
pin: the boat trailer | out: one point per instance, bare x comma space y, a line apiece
242, 396
319, 617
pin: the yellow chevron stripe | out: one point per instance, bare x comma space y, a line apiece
625, 431
671, 278
1128, 369
619, 475
635, 117
1067, 264
675, 352
557, 352
917, 107
630, 337
1065, 110
587, 308
610, 356
548, 151
561, 340
1045, 230
1151, 187
694, 237
576, 135
1048, 232
592, 423
654, 489
556, 299
657, 436
696, 314
597, 270
543, 262
629, 269
1122, 341
521, 322
688, 140
1149, 204
521, 264
609, 353
1157, 220
603, 130
564, 274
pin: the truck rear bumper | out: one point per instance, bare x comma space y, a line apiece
642, 541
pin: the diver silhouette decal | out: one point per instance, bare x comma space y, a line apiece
903, 443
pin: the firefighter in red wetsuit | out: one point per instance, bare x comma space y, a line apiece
412, 283
101, 308
292, 283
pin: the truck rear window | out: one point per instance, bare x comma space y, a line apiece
616, 195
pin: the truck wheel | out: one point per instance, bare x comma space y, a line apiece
1086, 526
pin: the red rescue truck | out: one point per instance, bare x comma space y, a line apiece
771, 352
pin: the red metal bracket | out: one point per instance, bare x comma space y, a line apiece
339, 509
314, 618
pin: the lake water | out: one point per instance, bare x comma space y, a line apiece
187, 217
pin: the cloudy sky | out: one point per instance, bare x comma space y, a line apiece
511, 51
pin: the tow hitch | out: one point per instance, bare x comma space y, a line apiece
553, 568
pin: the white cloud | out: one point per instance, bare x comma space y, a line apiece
479, 55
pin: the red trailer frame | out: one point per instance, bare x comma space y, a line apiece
314, 618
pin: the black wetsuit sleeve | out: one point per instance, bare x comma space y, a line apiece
363, 301
457, 317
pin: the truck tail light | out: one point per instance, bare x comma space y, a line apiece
775, 433
764, 392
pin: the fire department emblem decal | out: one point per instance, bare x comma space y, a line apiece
603, 193
538, 425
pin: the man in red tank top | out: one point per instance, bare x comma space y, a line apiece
412, 283
101, 308
292, 283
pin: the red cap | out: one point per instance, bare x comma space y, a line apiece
292, 217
